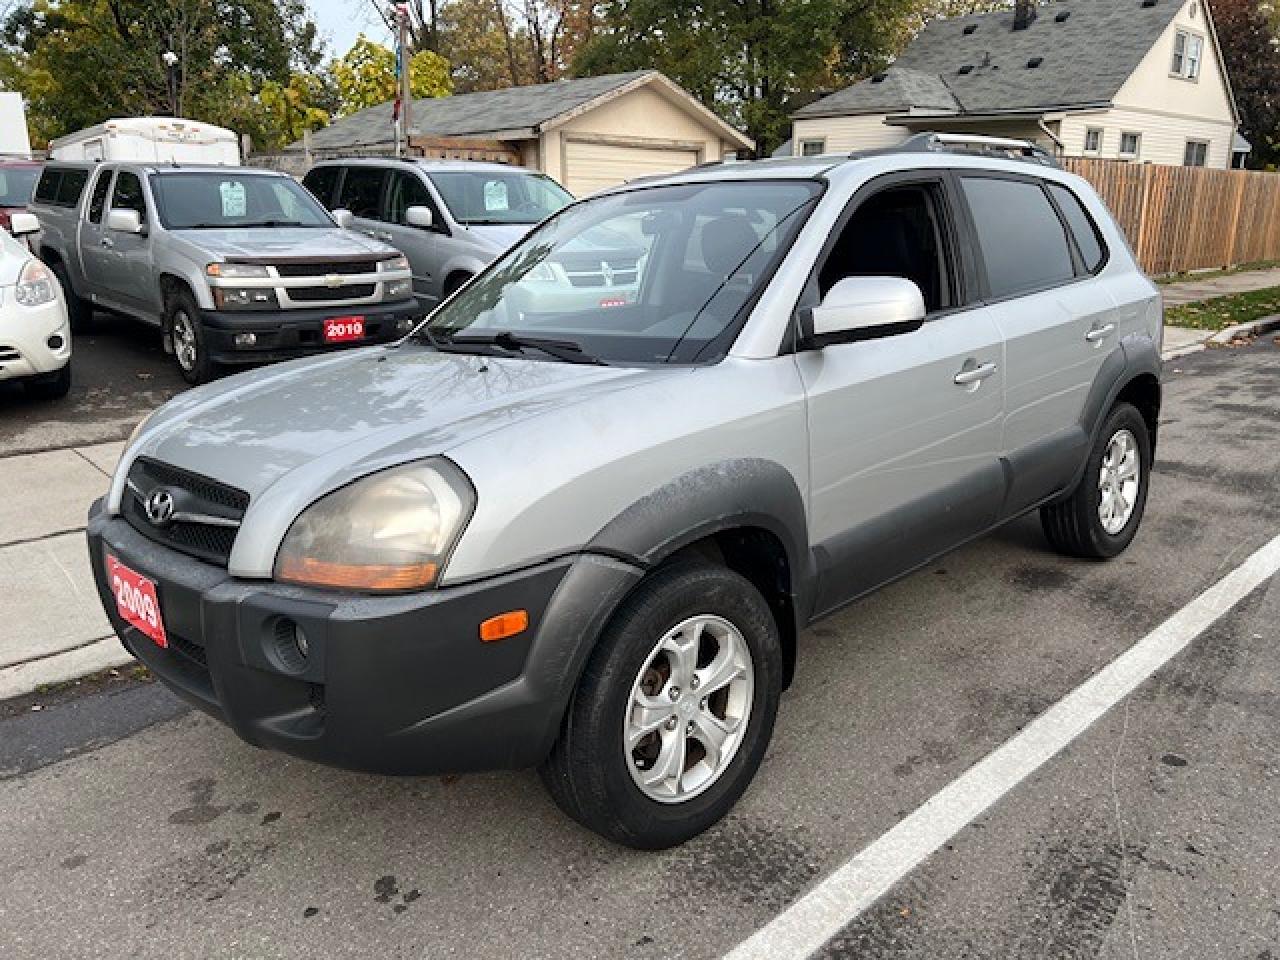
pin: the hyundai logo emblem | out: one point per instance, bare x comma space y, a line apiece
159, 507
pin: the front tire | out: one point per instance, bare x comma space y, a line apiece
186, 333
1101, 517
674, 711
79, 310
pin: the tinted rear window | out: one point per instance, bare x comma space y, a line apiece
1085, 231
362, 192
1024, 244
61, 187
321, 182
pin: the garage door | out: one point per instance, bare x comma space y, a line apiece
594, 166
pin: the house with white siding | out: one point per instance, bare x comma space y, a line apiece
1135, 80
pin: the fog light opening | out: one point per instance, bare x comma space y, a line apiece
405, 324
55, 342
289, 646
243, 340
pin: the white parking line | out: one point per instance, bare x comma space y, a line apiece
823, 912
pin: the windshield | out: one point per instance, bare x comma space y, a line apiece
648, 276
476, 199
210, 201
17, 184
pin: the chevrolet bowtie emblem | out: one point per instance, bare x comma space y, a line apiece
333, 281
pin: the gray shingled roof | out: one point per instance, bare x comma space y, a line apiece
1085, 59
472, 114
896, 89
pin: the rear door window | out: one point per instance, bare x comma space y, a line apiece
362, 192
71, 186
1083, 229
1024, 245
47, 188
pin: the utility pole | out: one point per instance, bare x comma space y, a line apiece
406, 71
171, 69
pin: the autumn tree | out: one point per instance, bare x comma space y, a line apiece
366, 76
1249, 32
78, 62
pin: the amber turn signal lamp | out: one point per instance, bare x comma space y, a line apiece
376, 577
504, 625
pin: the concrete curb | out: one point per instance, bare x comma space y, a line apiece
24, 678
1240, 330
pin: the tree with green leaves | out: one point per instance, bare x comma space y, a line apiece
366, 76
78, 62
1249, 32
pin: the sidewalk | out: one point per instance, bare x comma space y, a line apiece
53, 628
1179, 341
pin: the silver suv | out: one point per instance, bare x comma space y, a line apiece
451, 218
586, 534
233, 265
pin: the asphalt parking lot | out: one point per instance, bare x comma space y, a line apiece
133, 827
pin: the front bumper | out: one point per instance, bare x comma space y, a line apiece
282, 334
398, 685
25, 334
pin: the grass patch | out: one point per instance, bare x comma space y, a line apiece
1222, 312
1212, 274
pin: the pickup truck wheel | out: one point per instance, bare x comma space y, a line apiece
1101, 518
79, 310
674, 710
189, 347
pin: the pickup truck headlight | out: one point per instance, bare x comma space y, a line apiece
394, 265
396, 289
237, 271
246, 298
36, 285
389, 532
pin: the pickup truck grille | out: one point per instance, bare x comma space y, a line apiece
607, 273
324, 269
207, 513
351, 291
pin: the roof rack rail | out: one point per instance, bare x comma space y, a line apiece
975, 145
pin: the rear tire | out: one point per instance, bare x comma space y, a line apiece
79, 310
185, 331
53, 387
732, 654
1101, 517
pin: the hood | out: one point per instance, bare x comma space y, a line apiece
501, 236
284, 243
321, 422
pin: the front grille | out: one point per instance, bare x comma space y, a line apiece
606, 273
9, 354
192, 494
352, 291
323, 269
192, 651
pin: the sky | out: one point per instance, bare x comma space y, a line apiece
340, 21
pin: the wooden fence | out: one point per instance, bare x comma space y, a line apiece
1189, 218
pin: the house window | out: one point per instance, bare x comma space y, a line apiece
813, 148
1188, 51
1093, 140
1196, 154
1130, 144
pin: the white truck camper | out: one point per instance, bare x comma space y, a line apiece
150, 140
14, 141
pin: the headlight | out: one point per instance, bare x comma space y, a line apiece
244, 298
239, 271
389, 532
36, 285
393, 265
399, 289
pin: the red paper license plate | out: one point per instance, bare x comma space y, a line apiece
136, 600
343, 329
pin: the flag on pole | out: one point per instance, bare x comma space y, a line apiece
401, 11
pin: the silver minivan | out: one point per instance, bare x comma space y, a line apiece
450, 218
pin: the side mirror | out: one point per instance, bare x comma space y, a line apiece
343, 218
862, 308
419, 217
23, 224
124, 221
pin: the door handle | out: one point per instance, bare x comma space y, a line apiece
975, 374
1098, 334
108, 243
382, 235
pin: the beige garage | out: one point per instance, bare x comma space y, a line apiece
590, 133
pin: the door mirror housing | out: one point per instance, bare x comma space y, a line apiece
344, 218
124, 221
419, 217
865, 308
23, 224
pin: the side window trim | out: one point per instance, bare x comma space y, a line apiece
1083, 271
105, 177
973, 247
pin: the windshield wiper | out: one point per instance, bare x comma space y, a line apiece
275, 223
566, 350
